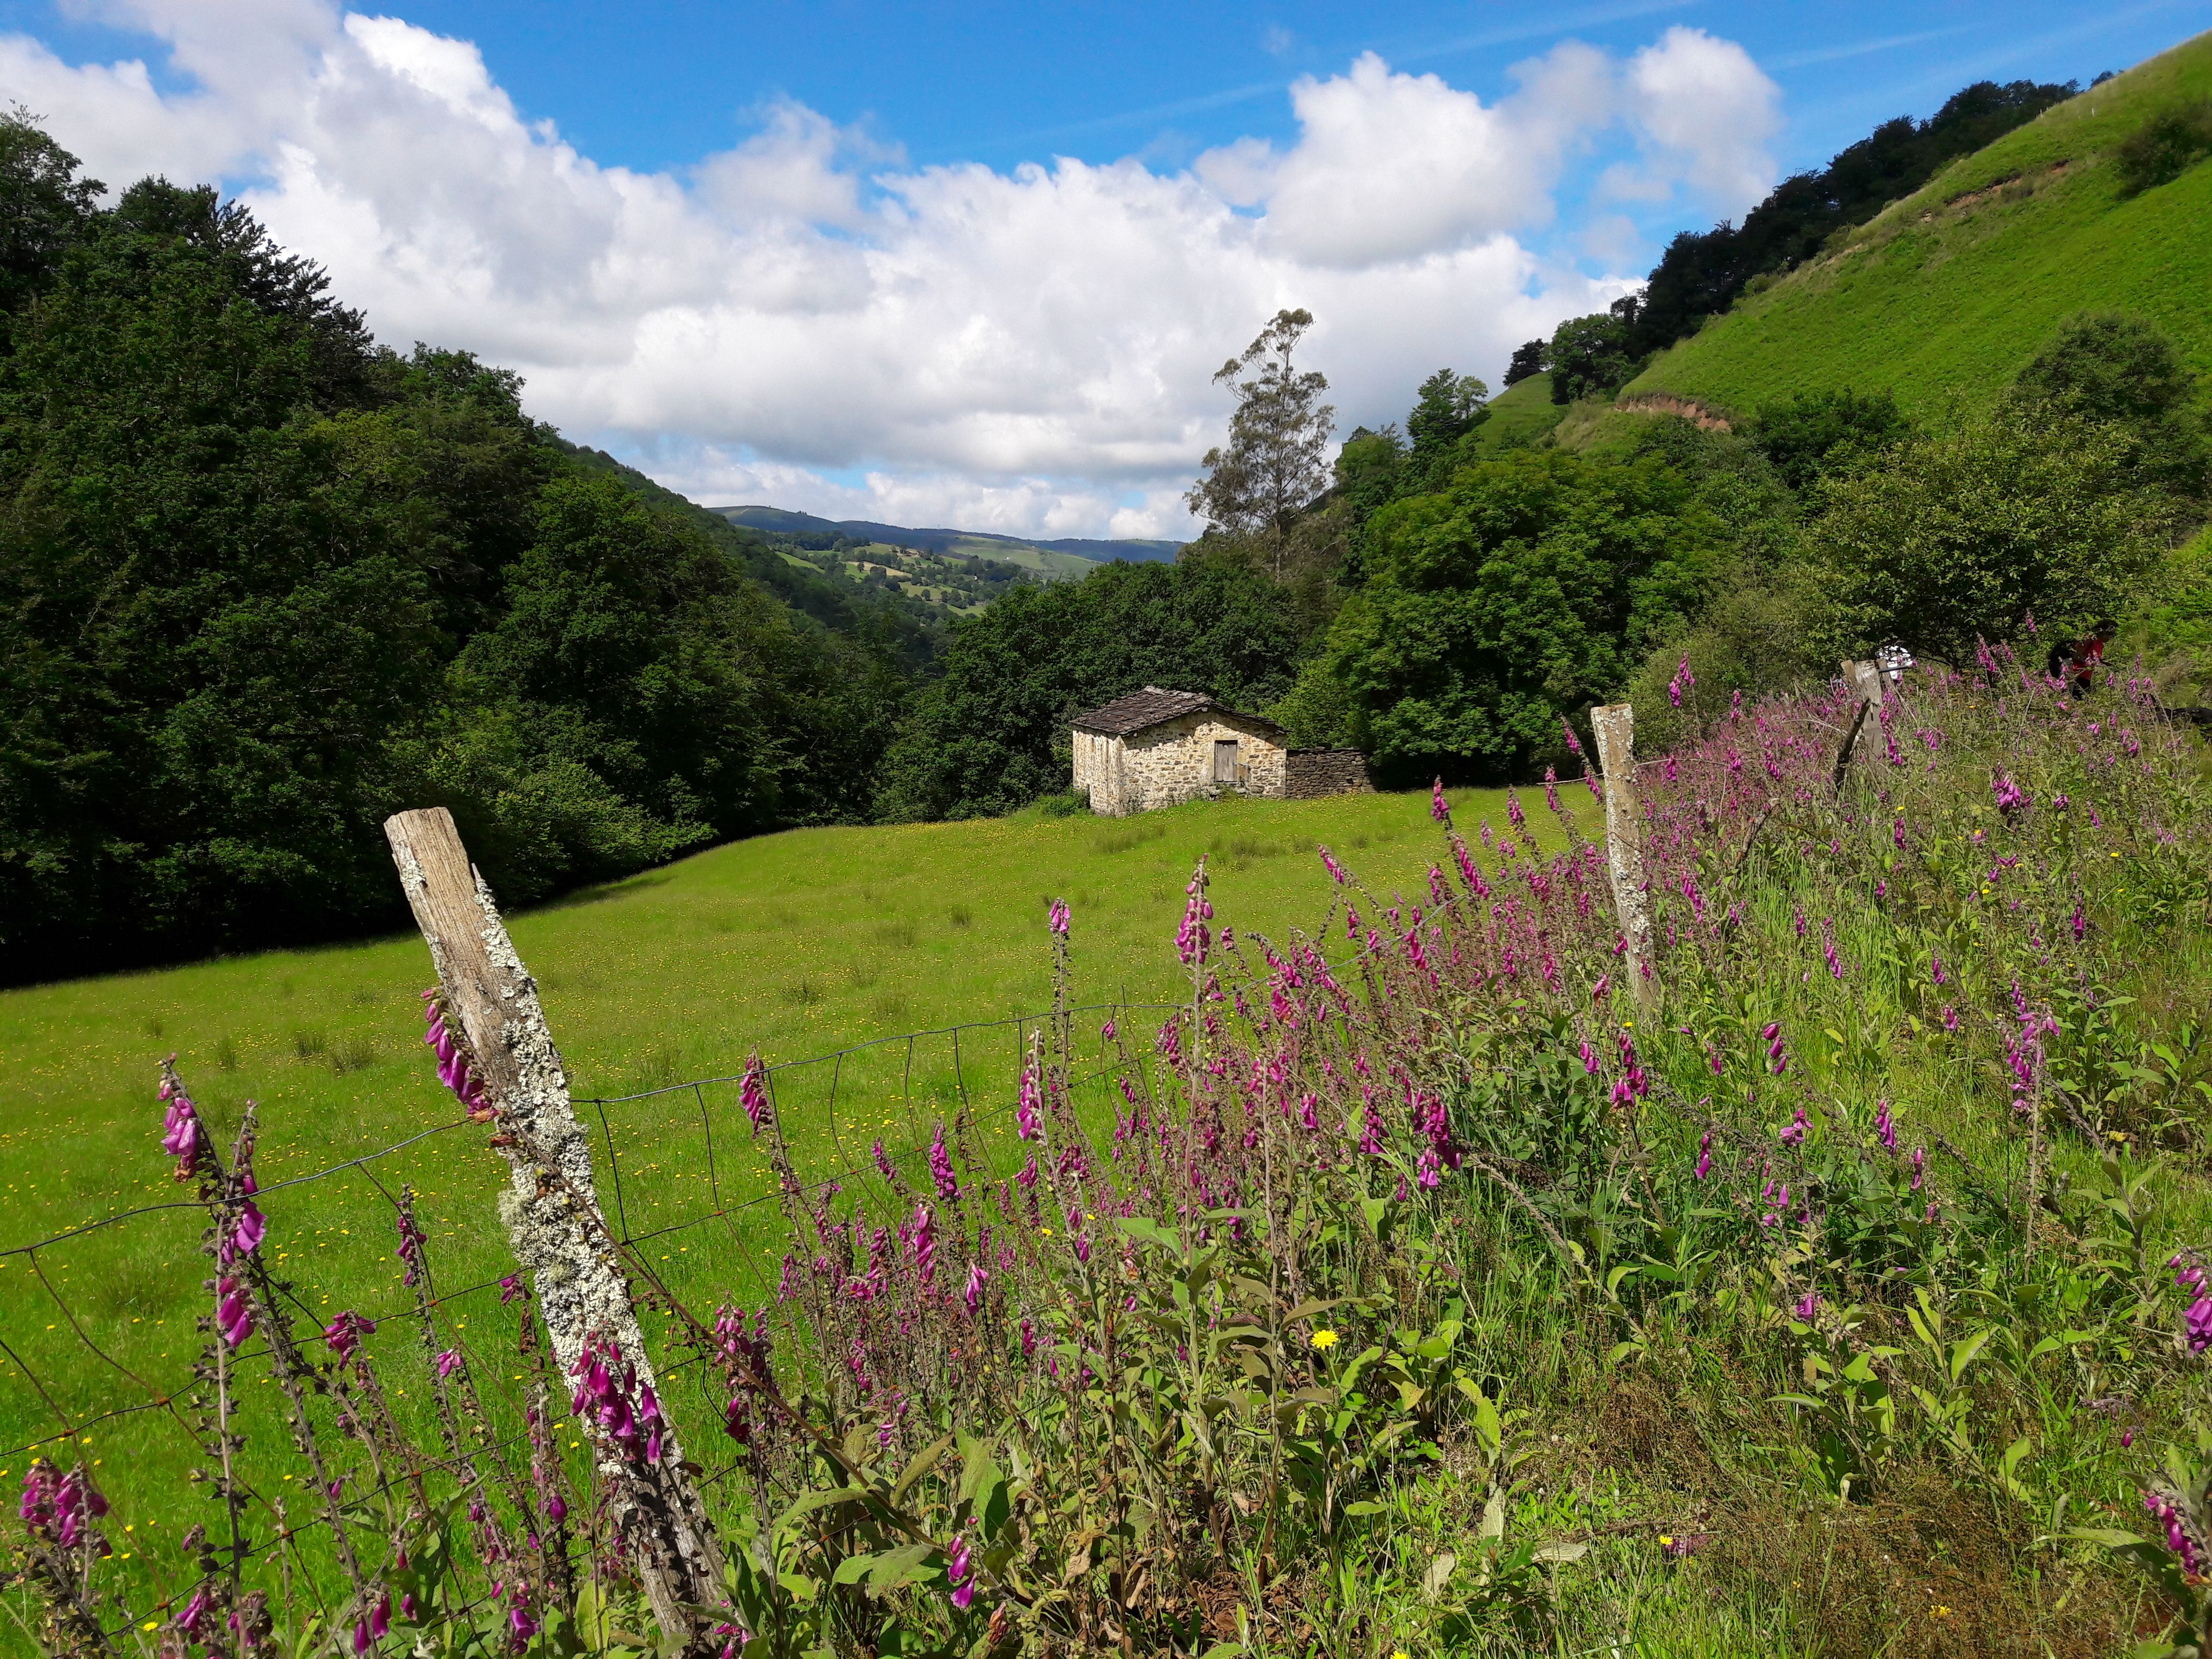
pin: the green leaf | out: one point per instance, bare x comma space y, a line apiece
1962, 1354
1493, 1517
924, 1461
2011, 1460
896, 1569
821, 1498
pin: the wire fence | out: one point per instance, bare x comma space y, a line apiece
835, 1109
633, 1143
669, 1171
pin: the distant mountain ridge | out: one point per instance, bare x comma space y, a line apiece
777, 519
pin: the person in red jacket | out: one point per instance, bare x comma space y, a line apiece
2076, 661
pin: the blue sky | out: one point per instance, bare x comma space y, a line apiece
972, 262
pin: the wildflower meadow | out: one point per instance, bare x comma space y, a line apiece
1817, 1265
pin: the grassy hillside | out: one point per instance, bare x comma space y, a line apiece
1519, 416
1949, 292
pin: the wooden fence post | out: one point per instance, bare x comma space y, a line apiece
1614, 728
550, 1208
1865, 678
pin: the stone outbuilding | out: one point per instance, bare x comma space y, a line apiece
1161, 748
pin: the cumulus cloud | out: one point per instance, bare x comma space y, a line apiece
1708, 113
805, 318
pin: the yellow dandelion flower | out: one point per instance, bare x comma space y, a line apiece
1324, 1339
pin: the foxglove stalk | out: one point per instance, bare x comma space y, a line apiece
453, 1068
752, 1092
940, 1167
1025, 1107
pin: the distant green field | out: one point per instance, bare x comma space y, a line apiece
1520, 414
801, 944
1949, 293
1050, 563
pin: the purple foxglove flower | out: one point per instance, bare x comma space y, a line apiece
449, 1361
253, 1225
959, 1571
1439, 809
344, 1333
973, 1296
1704, 1155
233, 1312
1025, 1107
511, 1289
752, 1092
940, 1167
411, 1240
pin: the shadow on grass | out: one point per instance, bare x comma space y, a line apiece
604, 890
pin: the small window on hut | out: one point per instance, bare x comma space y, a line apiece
1224, 759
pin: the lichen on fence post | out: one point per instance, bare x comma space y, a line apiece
1614, 728
551, 1208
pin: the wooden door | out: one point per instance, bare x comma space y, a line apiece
1224, 759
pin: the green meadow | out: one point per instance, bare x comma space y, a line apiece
801, 946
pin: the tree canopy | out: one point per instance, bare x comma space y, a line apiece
263, 581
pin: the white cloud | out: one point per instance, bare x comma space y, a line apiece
1710, 113
807, 320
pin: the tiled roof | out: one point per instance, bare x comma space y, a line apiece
1149, 707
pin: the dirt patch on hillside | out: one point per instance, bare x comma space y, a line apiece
1659, 402
2011, 187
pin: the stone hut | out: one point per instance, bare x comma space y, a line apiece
1160, 748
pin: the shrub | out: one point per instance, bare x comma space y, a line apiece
1967, 535
2164, 148
1818, 433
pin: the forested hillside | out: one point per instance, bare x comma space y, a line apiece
264, 582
